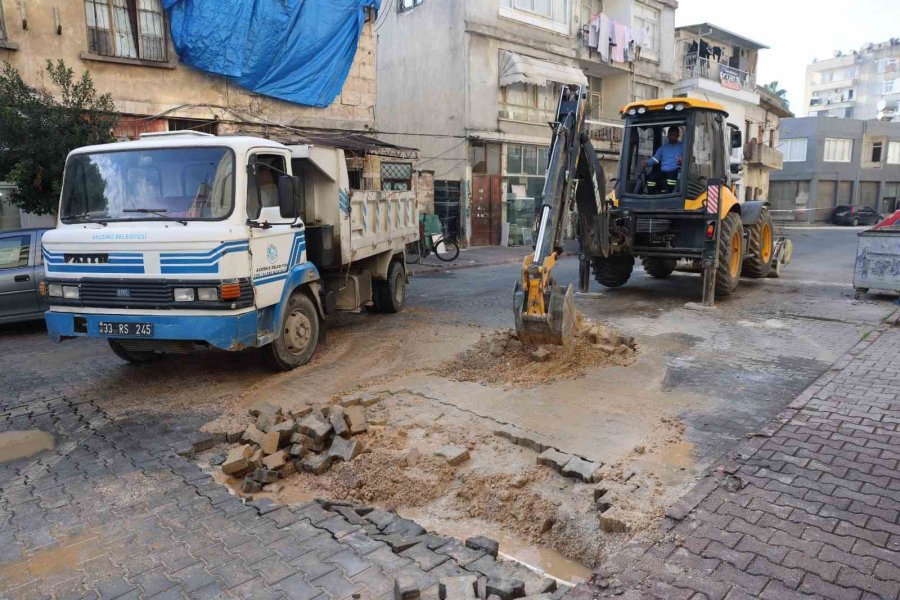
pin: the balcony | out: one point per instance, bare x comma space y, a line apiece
606, 136
760, 155
693, 67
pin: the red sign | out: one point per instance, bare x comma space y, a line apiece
730, 78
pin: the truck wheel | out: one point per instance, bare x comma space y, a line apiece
614, 271
760, 242
390, 295
658, 267
731, 251
133, 356
297, 336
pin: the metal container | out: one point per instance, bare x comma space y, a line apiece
878, 260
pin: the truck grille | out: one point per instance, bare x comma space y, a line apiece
151, 294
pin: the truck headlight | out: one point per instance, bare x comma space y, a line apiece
184, 294
55, 290
208, 294
70, 292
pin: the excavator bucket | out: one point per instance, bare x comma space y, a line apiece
555, 327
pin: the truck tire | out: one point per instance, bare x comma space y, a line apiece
760, 245
731, 246
614, 271
390, 295
658, 267
133, 356
298, 334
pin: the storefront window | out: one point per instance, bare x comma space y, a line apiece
525, 168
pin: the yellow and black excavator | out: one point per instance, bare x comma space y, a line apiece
669, 204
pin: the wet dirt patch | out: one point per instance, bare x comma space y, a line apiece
500, 358
19, 444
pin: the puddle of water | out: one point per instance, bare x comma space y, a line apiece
540, 559
19, 444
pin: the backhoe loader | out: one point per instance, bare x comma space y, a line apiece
688, 211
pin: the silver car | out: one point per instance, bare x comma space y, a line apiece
21, 272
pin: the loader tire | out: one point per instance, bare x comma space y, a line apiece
760, 245
613, 271
731, 251
657, 267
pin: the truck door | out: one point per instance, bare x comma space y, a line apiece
275, 246
18, 294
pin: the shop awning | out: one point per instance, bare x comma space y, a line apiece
518, 68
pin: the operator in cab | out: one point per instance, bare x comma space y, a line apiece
669, 157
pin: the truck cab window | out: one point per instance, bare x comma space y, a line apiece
262, 183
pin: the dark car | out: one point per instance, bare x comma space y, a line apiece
21, 272
854, 215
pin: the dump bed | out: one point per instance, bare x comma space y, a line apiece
356, 223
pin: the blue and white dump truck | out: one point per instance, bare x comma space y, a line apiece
180, 240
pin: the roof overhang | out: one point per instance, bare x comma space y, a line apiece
713, 32
348, 141
518, 68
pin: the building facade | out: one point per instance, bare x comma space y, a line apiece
473, 84
718, 65
830, 162
863, 84
127, 48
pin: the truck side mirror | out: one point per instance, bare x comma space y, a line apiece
287, 203
736, 141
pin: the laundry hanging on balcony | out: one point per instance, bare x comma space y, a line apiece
614, 41
295, 50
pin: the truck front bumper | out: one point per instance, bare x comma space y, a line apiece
228, 332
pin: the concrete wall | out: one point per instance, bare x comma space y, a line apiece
153, 88
422, 65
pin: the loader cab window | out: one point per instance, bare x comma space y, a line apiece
707, 152
262, 183
655, 158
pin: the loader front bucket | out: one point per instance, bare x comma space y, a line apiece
555, 327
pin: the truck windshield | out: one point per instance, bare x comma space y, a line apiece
147, 185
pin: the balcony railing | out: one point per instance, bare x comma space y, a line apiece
606, 135
736, 79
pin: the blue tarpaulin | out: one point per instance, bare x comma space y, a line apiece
296, 50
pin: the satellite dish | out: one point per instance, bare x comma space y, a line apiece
882, 104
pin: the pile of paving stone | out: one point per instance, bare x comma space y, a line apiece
282, 441
463, 571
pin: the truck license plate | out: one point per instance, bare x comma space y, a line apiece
126, 329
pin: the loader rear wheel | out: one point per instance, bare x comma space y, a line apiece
731, 247
760, 245
658, 267
613, 271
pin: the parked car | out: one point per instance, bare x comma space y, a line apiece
854, 215
21, 272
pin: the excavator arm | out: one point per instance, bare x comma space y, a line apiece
544, 311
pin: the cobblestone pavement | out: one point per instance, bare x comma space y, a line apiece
116, 511
808, 509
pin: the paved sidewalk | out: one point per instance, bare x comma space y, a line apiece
808, 509
478, 256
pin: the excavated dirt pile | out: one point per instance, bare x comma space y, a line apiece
500, 358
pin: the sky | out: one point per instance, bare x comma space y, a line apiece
797, 31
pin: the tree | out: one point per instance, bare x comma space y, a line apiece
779, 93
39, 127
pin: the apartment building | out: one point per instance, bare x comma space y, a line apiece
830, 162
718, 65
127, 48
862, 84
473, 84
